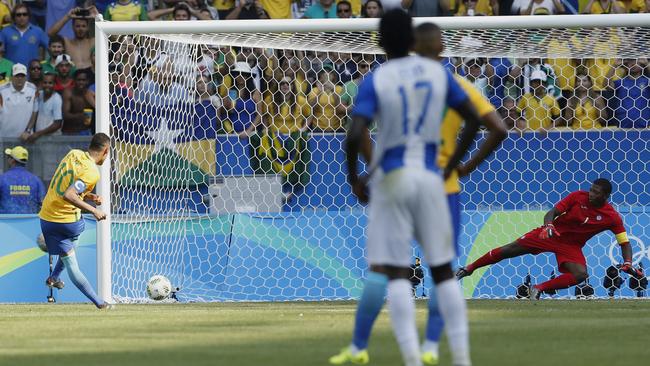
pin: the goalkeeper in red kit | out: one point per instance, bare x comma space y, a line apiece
567, 227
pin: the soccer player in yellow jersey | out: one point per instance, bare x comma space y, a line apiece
61, 221
428, 43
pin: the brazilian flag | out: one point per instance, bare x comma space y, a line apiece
163, 146
286, 154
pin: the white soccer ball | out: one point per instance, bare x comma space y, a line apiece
40, 241
159, 287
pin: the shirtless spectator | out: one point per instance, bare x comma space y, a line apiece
78, 107
79, 47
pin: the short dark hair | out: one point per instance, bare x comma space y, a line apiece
86, 72
605, 184
56, 39
180, 6
396, 33
20, 6
344, 2
99, 142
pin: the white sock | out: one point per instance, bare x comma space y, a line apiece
402, 316
454, 312
430, 346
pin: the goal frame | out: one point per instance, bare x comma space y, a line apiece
105, 29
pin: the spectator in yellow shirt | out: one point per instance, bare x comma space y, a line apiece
325, 100
586, 109
481, 7
286, 110
538, 108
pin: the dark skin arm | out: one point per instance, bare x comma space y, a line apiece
497, 133
472, 124
358, 141
550, 216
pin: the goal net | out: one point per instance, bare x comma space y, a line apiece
227, 171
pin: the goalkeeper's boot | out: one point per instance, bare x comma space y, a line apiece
534, 293
462, 272
346, 355
430, 358
50, 282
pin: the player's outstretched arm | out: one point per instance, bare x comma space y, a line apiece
497, 133
472, 124
73, 197
358, 140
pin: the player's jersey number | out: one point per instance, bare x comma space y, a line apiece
420, 88
57, 180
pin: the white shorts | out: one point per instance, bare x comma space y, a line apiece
409, 204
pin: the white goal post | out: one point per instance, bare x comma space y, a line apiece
495, 36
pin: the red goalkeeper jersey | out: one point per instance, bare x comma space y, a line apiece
579, 220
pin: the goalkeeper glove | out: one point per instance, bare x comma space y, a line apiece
627, 268
548, 231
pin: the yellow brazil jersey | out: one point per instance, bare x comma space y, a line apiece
451, 125
586, 116
482, 7
117, 12
565, 67
633, 6
539, 113
286, 120
277, 9
4, 11
325, 110
224, 4
77, 165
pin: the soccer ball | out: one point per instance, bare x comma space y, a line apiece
159, 287
40, 241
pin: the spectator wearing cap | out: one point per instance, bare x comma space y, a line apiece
322, 9
78, 107
126, 10
243, 102
539, 109
18, 107
35, 73
248, 9
632, 91
23, 41
5, 65
63, 66
78, 47
50, 112
21, 192
55, 47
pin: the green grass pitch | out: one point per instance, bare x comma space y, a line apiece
503, 333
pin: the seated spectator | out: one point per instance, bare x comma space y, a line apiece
63, 66
243, 102
23, 41
124, 10
344, 9
372, 9
35, 73
5, 65
21, 192
586, 109
50, 112
160, 88
543, 7
248, 9
18, 107
511, 116
78, 107
539, 109
56, 47
603, 7
286, 110
321, 9
325, 101
481, 7
78, 47
426, 8
180, 11
632, 96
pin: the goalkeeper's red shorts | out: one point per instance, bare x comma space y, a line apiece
563, 252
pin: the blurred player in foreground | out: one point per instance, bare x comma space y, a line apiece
61, 221
567, 227
428, 43
408, 95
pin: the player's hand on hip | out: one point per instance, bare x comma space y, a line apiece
548, 231
99, 214
360, 189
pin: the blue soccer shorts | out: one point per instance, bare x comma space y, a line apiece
60, 237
